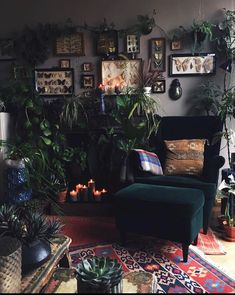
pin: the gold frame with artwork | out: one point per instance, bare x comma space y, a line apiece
70, 45
124, 73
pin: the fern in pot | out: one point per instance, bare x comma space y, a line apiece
33, 229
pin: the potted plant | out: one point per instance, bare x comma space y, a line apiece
227, 188
148, 78
99, 275
202, 31
33, 229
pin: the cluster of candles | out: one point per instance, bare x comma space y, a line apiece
117, 88
87, 192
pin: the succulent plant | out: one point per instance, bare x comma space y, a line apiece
99, 273
26, 224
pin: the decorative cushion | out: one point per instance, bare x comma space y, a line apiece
185, 156
149, 162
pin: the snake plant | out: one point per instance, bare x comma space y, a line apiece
98, 273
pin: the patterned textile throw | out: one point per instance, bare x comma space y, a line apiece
149, 162
164, 260
184, 156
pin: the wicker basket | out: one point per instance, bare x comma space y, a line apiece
10, 265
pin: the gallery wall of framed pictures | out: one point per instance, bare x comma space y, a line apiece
117, 71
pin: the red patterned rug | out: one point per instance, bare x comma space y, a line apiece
164, 260
87, 230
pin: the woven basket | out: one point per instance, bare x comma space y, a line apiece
10, 265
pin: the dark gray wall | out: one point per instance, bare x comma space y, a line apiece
14, 14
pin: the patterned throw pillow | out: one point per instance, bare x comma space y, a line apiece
184, 156
149, 162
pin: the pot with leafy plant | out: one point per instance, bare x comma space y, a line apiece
33, 229
99, 275
227, 188
202, 30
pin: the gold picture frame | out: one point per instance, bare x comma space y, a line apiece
122, 73
70, 45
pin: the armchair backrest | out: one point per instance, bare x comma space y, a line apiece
188, 127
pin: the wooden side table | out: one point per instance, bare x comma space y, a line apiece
35, 281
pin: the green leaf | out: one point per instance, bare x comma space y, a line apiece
47, 141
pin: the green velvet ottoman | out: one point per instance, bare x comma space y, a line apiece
167, 212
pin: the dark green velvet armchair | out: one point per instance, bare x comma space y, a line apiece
177, 127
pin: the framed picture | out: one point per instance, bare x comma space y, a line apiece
192, 65
176, 45
132, 44
21, 72
51, 82
107, 43
71, 45
6, 49
64, 63
158, 54
87, 81
159, 86
124, 73
87, 67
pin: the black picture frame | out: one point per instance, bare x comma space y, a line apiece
182, 65
159, 86
54, 82
158, 54
70, 45
87, 81
87, 67
132, 44
64, 63
107, 43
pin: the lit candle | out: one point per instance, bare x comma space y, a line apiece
91, 189
117, 88
73, 195
101, 88
103, 191
78, 187
97, 195
84, 192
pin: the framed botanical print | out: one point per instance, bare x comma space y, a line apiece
192, 65
107, 43
158, 54
87, 81
124, 73
70, 45
51, 82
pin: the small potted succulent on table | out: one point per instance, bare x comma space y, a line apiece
99, 275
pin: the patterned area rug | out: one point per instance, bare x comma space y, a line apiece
163, 259
87, 230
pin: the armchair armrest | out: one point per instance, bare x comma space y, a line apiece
212, 168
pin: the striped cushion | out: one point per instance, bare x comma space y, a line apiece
149, 162
184, 157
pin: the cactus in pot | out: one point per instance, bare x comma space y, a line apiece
99, 275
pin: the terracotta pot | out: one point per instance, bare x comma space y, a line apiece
61, 196
229, 233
